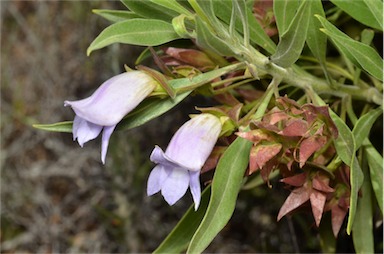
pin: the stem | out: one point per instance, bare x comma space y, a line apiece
299, 78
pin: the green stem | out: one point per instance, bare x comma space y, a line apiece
299, 78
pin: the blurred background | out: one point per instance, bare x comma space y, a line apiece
57, 197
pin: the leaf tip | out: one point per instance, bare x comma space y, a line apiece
89, 50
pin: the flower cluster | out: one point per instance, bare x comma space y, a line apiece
179, 167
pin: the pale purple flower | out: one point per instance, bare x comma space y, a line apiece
108, 105
179, 167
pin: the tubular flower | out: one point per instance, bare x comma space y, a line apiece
179, 167
105, 108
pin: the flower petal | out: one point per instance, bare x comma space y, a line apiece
114, 98
107, 132
159, 157
156, 179
84, 131
175, 186
193, 142
194, 185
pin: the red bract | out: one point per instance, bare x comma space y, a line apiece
191, 57
315, 189
300, 132
261, 154
309, 146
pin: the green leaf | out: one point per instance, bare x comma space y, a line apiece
172, 5
292, 41
116, 15
178, 240
154, 107
361, 55
363, 225
376, 8
284, 11
257, 34
316, 40
363, 126
375, 162
148, 9
207, 40
144, 32
360, 11
56, 127
345, 146
148, 110
226, 184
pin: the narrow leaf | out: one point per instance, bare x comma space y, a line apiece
363, 225
361, 55
178, 240
257, 34
144, 32
116, 15
154, 107
284, 11
148, 110
364, 124
207, 40
56, 127
292, 41
345, 147
375, 162
226, 184
376, 8
172, 5
150, 10
316, 40
361, 12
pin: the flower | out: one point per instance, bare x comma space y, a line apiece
108, 105
179, 167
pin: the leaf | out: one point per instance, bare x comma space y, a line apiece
284, 11
363, 126
257, 34
292, 41
172, 5
345, 146
57, 127
144, 32
363, 224
207, 40
178, 240
150, 10
376, 8
361, 55
375, 162
226, 184
360, 11
116, 15
148, 110
345, 143
154, 107
316, 40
